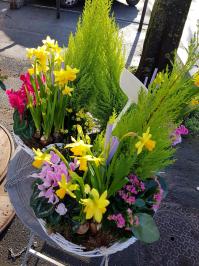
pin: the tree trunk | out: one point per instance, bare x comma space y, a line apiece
163, 36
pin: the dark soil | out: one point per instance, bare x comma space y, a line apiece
91, 241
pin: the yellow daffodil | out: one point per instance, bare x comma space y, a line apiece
29, 52
59, 59
95, 205
42, 68
51, 44
63, 76
83, 164
196, 79
79, 148
145, 141
87, 188
194, 102
150, 145
41, 56
31, 71
40, 53
67, 91
71, 73
40, 158
66, 188
88, 158
97, 160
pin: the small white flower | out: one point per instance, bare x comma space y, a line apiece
61, 209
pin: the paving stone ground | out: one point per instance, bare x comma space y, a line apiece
179, 215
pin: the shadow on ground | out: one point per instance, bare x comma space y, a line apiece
30, 24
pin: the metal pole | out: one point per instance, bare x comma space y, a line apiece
58, 8
143, 15
44, 257
37, 254
24, 262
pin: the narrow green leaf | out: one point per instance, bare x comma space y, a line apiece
2, 85
117, 185
78, 179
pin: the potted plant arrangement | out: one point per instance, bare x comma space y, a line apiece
95, 194
104, 192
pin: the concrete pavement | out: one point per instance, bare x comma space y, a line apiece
26, 27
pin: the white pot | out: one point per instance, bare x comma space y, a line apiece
80, 250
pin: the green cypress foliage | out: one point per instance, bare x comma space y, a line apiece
96, 49
162, 109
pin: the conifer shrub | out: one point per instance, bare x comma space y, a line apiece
162, 109
96, 49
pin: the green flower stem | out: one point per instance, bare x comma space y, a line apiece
110, 168
34, 112
60, 156
58, 114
